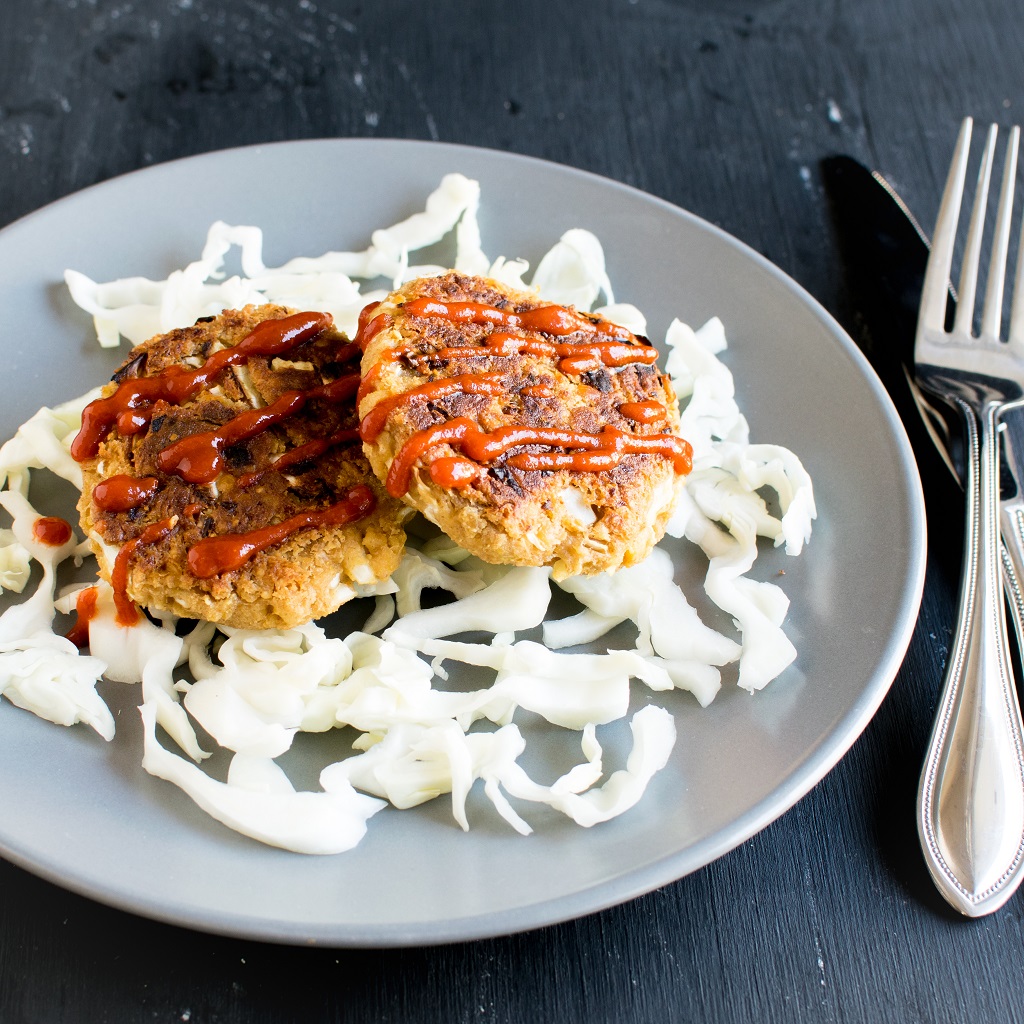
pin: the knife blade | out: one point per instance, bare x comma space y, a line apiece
885, 255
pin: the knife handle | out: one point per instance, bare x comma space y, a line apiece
971, 798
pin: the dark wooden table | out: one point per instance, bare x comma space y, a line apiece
725, 109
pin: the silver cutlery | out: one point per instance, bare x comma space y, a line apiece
1011, 502
971, 797
886, 253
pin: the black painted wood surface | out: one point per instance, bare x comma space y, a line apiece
726, 109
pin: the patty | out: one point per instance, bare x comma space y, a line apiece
530, 433
224, 479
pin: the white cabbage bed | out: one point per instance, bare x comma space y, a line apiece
252, 691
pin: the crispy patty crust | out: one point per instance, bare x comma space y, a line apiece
315, 568
483, 372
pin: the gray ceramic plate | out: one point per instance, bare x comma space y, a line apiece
83, 814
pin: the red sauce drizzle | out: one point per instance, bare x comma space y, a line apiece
122, 493
52, 531
301, 453
593, 452
573, 357
643, 412
451, 471
216, 555
366, 384
392, 355
130, 406
368, 328
198, 458
614, 445
587, 452
468, 383
127, 610
555, 320
85, 612
361, 323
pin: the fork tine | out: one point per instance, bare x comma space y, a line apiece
972, 252
1016, 337
992, 314
935, 292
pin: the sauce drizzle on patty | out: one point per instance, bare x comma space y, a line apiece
122, 493
553, 320
217, 555
612, 346
589, 453
129, 407
198, 458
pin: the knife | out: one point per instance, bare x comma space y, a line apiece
885, 255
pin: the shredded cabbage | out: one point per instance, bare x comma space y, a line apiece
723, 489
259, 801
253, 691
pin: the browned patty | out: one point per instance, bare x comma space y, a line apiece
574, 521
306, 575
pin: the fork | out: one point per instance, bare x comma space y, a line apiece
970, 807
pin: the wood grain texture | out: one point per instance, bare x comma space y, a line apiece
725, 109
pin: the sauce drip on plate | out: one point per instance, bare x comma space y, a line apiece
85, 612
52, 531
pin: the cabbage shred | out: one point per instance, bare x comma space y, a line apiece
253, 691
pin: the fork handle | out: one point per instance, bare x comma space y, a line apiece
970, 808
